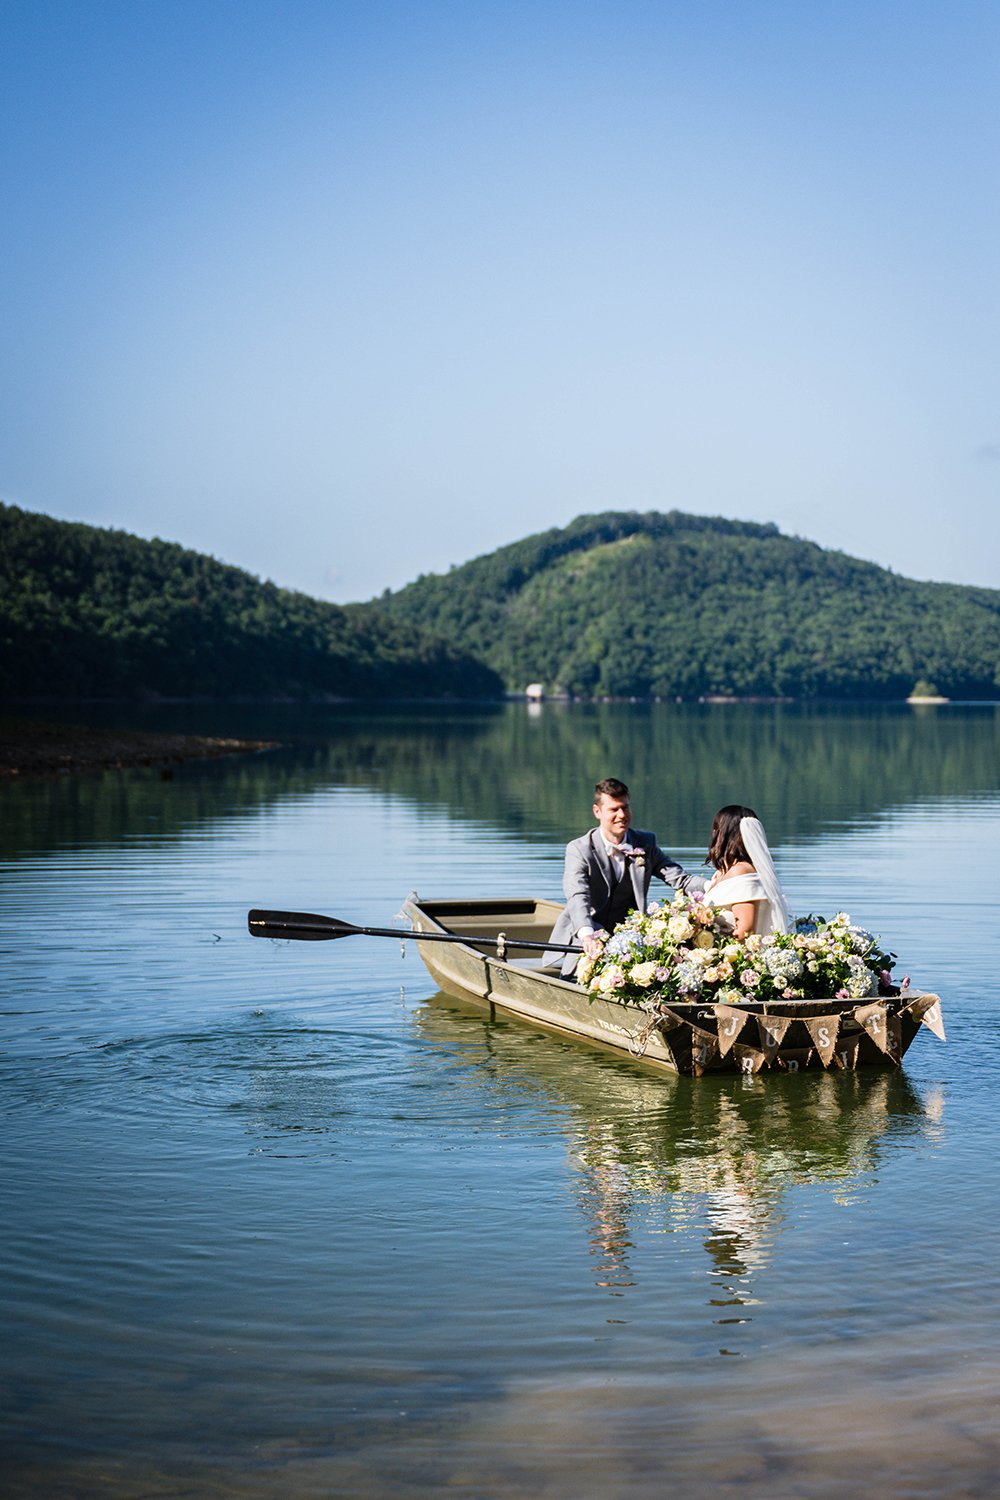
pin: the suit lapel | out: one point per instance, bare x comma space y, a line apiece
603, 862
637, 873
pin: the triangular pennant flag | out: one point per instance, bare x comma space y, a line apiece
772, 1032
845, 1054
927, 1008
824, 1031
872, 1018
731, 1022
894, 1038
792, 1059
748, 1059
704, 1050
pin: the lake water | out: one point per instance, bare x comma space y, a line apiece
279, 1219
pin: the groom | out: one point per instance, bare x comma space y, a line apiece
608, 872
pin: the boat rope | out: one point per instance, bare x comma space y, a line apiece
404, 916
638, 1040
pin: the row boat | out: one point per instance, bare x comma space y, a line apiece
683, 1037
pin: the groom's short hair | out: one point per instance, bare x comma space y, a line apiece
611, 787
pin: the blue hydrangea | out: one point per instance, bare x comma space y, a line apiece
625, 943
689, 977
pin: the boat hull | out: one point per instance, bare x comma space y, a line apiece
690, 1038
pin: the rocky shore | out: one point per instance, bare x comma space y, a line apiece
29, 748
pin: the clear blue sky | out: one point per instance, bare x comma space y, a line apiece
345, 292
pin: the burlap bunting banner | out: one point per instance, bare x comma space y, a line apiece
792, 1059
731, 1022
824, 1031
830, 1045
845, 1054
704, 1049
873, 1018
927, 1008
748, 1059
772, 1033
894, 1038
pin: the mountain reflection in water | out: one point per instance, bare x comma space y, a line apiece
803, 767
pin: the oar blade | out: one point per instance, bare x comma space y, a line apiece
306, 926
303, 926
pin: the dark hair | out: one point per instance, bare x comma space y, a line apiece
726, 845
611, 787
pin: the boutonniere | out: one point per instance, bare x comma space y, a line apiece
633, 852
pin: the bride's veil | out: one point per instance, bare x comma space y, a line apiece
755, 843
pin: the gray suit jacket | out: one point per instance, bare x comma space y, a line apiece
588, 880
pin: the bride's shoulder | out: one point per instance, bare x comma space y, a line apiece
739, 883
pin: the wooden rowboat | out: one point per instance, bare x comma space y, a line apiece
686, 1037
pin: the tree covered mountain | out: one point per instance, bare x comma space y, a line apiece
629, 604
87, 612
621, 604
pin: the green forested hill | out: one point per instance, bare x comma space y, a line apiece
625, 604
86, 612
620, 604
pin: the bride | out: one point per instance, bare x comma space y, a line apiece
745, 880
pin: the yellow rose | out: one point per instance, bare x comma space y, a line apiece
704, 940
680, 929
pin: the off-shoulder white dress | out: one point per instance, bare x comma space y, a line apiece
732, 889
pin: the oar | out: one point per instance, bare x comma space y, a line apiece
308, 926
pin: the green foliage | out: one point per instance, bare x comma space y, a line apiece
631, 605
614, 605
86, 613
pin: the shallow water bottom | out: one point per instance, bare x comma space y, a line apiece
897, 1438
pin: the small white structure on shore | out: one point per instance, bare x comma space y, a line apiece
926, 692
535, 692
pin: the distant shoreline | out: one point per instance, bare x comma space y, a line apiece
29, 749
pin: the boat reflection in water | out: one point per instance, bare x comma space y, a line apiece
710, 1158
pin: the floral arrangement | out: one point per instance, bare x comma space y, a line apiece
685, 950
